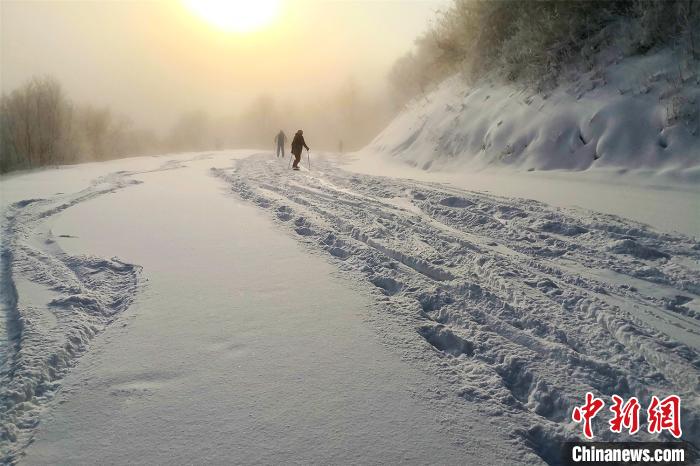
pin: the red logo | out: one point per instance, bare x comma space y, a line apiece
626, 415
587, 412
665, 415
661, 415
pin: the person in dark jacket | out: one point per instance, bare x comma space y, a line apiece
280, 139
297, 144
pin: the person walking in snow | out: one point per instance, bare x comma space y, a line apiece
280, 139
297, 144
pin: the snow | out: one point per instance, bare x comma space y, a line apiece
512, 292
238, 343
666, 206
217, 306
634, 116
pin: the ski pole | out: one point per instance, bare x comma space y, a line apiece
308, 158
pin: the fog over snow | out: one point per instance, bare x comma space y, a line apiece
456, 263
152, 61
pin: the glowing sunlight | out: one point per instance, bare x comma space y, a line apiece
235, 15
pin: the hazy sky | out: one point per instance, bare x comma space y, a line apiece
153, 60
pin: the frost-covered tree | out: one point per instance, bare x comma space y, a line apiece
35, 125
532, 40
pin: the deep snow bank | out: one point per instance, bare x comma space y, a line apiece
635, 114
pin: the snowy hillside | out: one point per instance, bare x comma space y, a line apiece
636, 114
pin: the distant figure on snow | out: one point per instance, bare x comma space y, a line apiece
340, 146
280, 139
297, 143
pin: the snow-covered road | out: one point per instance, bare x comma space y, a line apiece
526, 306
443, 324
239, 347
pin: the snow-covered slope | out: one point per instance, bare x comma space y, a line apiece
636, 114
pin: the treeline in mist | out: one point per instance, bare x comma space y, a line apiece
349, 117
41, 126
532, 41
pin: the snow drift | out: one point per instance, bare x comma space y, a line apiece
636, 114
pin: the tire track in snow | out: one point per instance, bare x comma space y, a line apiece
506, 291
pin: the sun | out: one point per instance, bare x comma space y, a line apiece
236, 15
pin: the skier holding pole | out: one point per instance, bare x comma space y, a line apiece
297, 144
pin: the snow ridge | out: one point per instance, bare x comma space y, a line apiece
55, 304
519, 307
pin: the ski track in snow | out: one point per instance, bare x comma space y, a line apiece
521, 307
53, 305
515, 306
